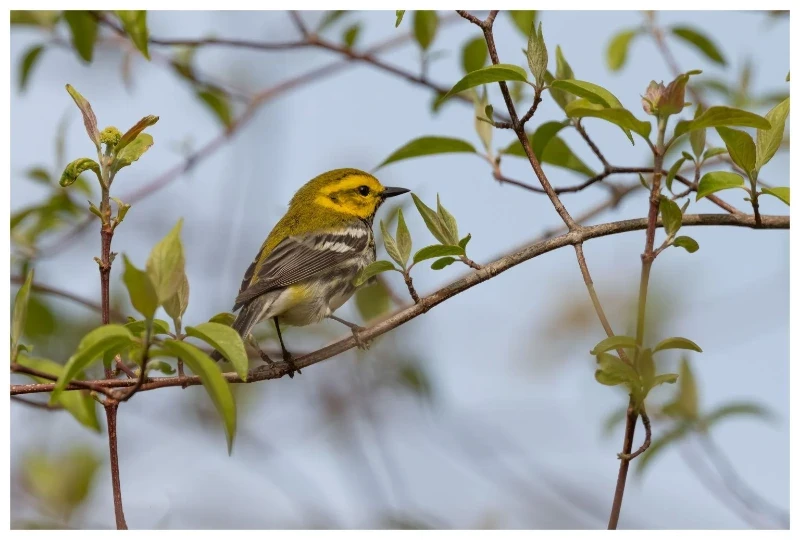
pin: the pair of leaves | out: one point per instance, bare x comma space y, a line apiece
163, 282
598, 102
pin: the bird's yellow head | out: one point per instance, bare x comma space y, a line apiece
346, 191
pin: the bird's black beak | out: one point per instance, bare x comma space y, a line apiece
393, 192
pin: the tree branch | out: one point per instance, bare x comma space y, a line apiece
473, 278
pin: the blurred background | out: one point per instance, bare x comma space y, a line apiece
482, 413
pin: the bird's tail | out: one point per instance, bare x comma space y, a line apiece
248, 317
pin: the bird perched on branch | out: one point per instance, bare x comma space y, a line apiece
305, 269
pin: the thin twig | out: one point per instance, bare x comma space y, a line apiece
36, 404
648, 436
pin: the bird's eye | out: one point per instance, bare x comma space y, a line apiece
363, 190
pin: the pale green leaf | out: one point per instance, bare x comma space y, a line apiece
29, 60
399, 14
135, 24
371, 271
83, 27
677, 343
686, 242
617, 51
614, 342
474, 54
432, 220
740, 147
133, 151
621, 117
223, 318
449, 224
700, 42
537, 54
176, 305
134, 132
594, 93
612, 371
403, 238
165, 265
110, 337
391, 246
226, 341
780, 192
671, 216
673, 171
427, 146
425, 25
437, 250
717, 181
211, 376
523, 19
438, 264
20, 316
487, 75
218, 104
769, 140
722, 116
77, 167
140, 288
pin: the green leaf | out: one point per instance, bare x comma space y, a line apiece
225, 340
780, 192
223, 318
137, 328
665, 378
474, 55
592, 92
687, 397
722, 116
489, 74
700, 42
372, 270
20, 316
698, 137
372, 301
432, 220
438, 264
28, 62
464, 241
133, 151
141, 289
351, 34
427, 146
403, 237
617, 51
769, 140
425, 24
330, 18
686, 242
134, 132
110, 337
646, 368
673, 171
677, 343
483, 126
437, 250
84, 32
537, 54
176, 305
711, 152
391, 246
550, 148
79, 403
613, 342
523, 19
740, 147
735, 409
218, 104
160, 366
76, 168
89, 118
165, 266
135, 24
660, 443
39, 174
621, 117
399, 13
211, 376
612, 371
671, 216
449, 225
563, 72
717, 181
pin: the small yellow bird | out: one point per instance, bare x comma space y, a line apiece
305, 269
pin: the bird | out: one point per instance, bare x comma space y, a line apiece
304, 270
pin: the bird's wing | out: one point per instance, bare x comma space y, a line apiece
297, 258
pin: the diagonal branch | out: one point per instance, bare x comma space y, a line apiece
489, 271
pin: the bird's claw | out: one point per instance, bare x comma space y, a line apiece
289, 359
360, 343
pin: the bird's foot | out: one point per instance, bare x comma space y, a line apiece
360, 343
289, 359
